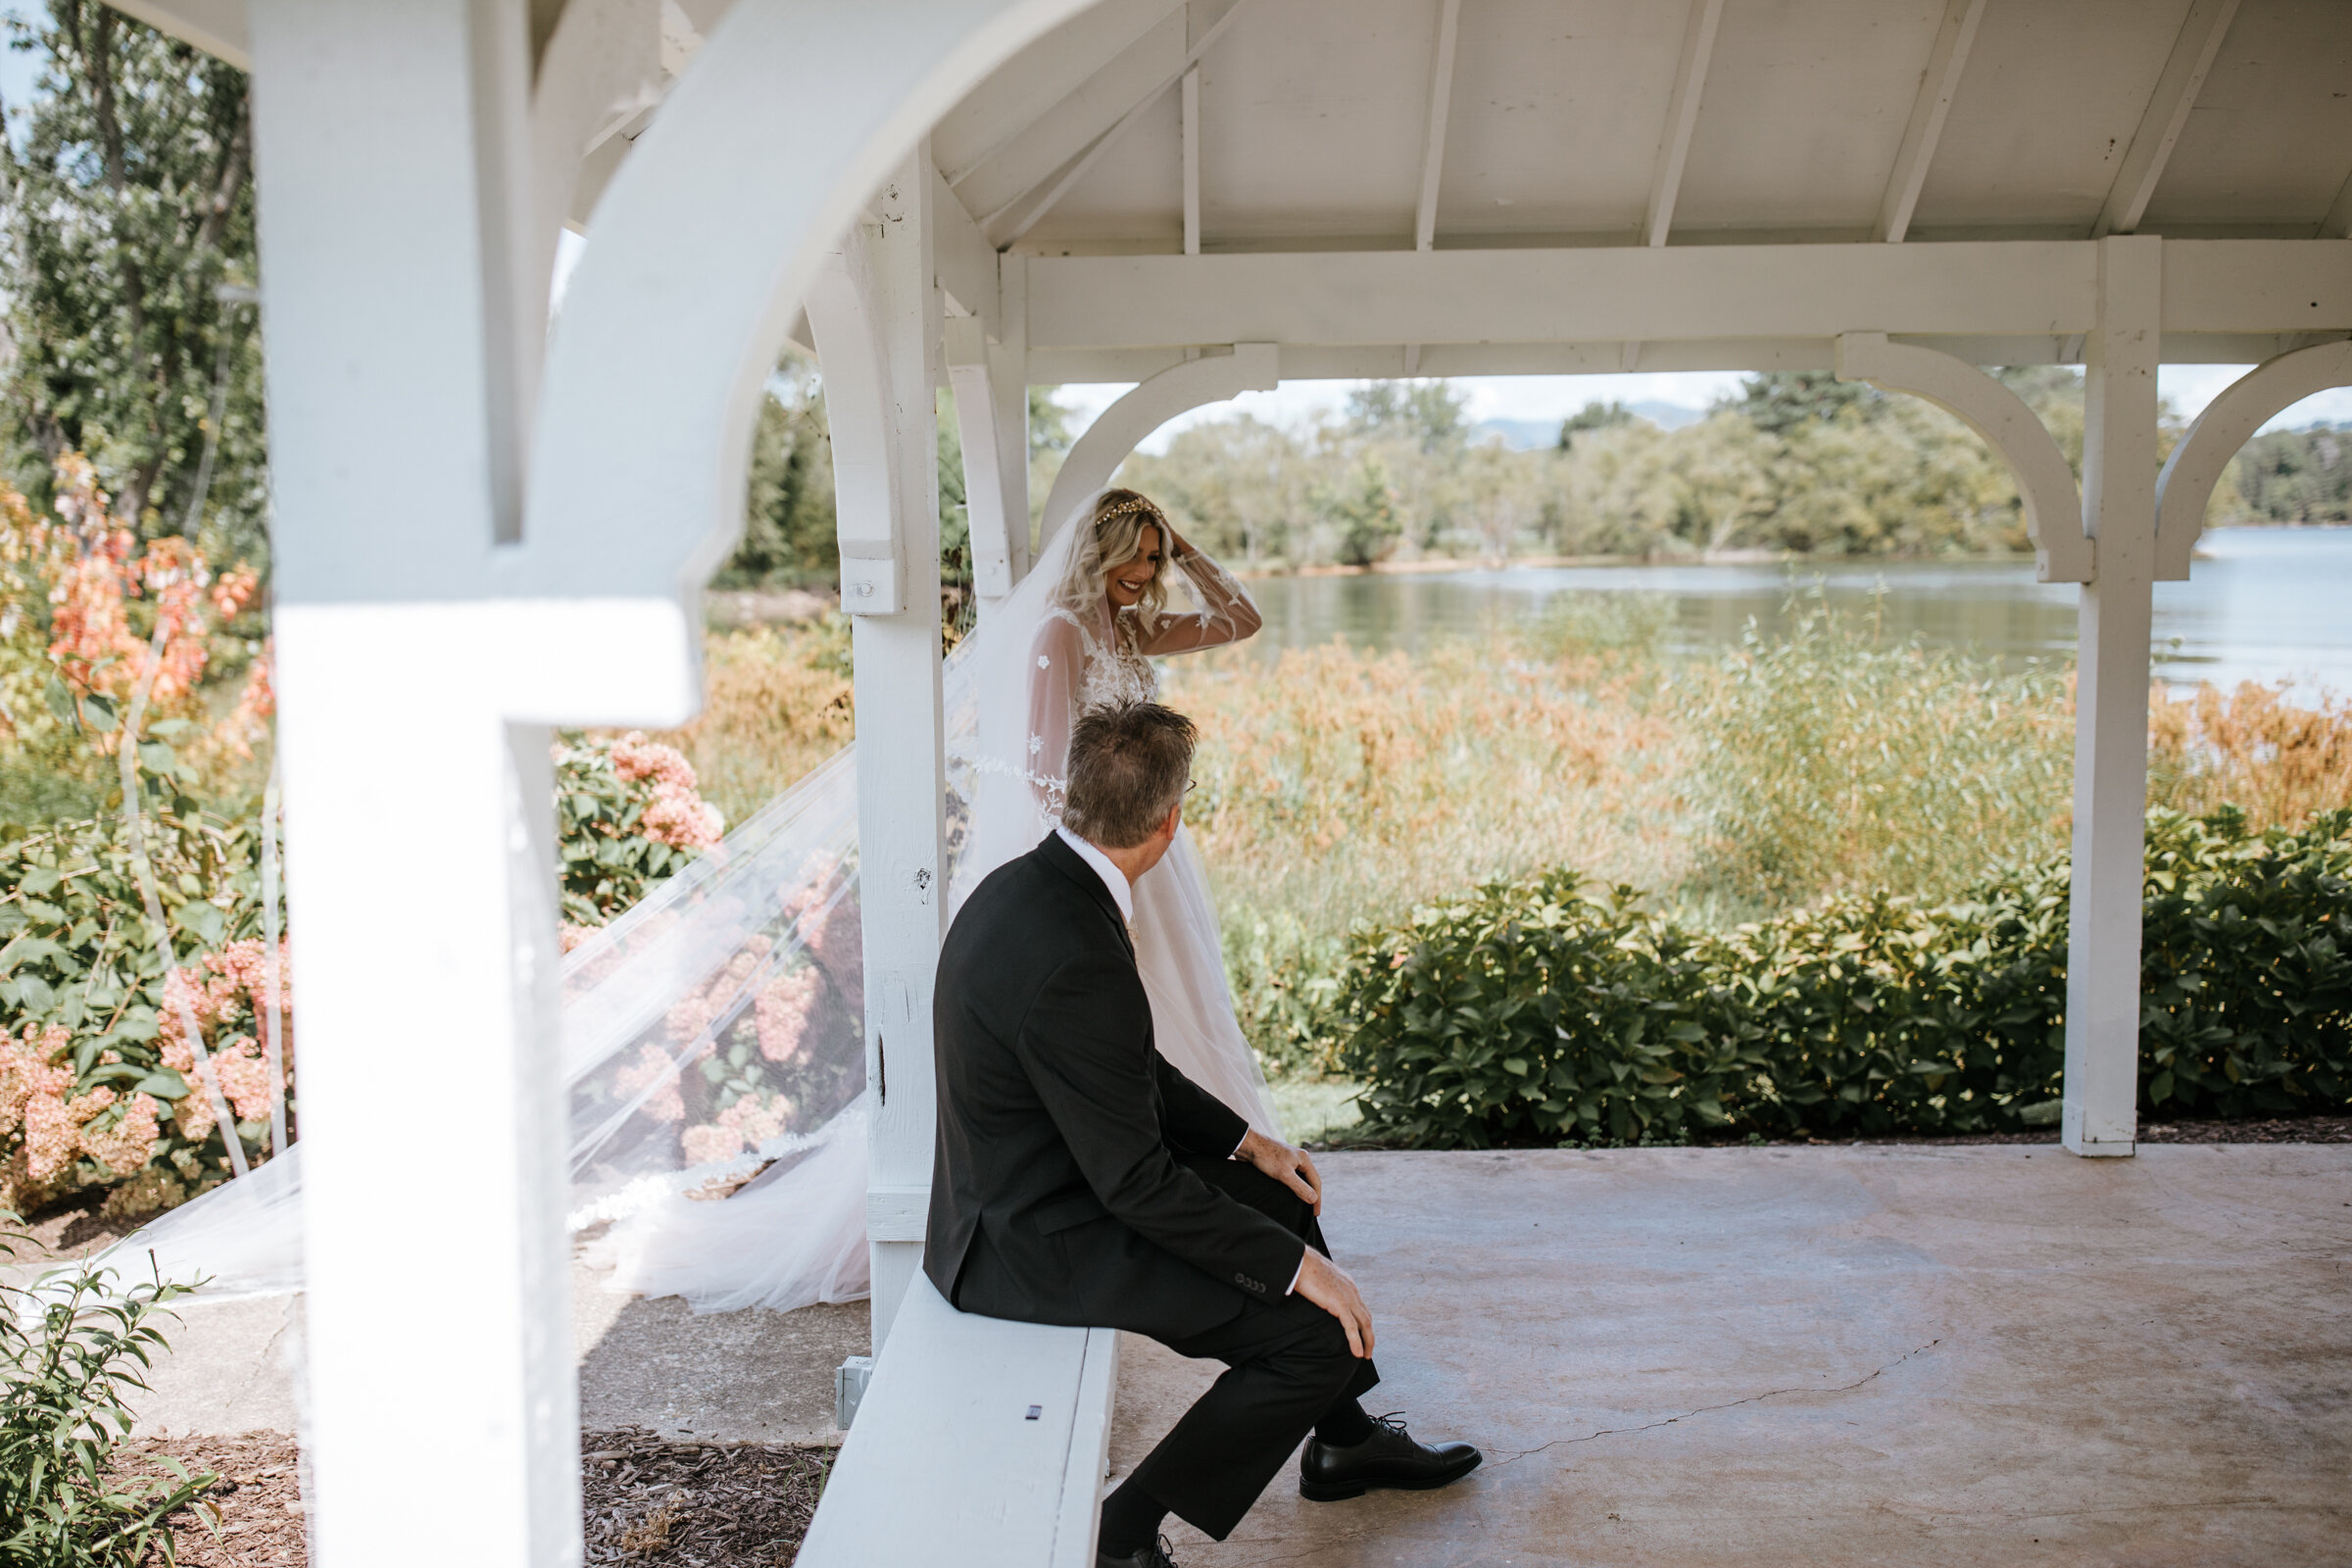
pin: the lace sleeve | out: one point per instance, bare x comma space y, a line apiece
1057, 663
1228, 615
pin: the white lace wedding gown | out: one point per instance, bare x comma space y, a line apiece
1083, 662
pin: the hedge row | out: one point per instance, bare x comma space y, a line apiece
1547, 1010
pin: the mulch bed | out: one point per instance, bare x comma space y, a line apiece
697, 1505
646, 1500
259, 1497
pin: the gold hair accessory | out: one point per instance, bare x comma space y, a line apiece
1132, 503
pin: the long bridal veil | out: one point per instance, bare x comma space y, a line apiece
714, 1049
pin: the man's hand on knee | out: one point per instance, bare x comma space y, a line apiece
1295, 1168
1327, 1285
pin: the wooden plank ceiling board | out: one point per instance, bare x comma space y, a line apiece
1804, 113
2270, 140
1133, 194
1311, 120
1543, 97
2045, 115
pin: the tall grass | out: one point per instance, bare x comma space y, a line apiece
775, 703
1825, 762
1337, 784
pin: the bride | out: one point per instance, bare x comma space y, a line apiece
1104, 619
713, 1040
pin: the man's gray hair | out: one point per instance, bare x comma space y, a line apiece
1129, 765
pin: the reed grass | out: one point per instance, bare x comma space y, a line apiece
1339, 784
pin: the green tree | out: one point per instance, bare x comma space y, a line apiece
1776, 402
128, 226
1429, 415
789, 540
2294, 476
1594, 417
1367, 515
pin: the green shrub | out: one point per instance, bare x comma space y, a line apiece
69, 1354
1537, 1012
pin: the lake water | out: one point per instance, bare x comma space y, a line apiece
2261, 604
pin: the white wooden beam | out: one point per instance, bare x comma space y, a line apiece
1191, 109
1383, 362
1075, 169
2111, 702
876, 319
1433, 136
966, 260
1937, 85
2037, 290
2338, 225
1682, 119
1098, 453
1036, 81
217, 26
2044, 482
2161, 122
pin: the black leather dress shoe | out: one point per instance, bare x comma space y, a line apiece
1389, 1458
1148, 1556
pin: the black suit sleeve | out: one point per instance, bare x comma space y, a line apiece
1083, 1047
1199, 1122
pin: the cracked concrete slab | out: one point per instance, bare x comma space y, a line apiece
1816, 1355
1819, 1356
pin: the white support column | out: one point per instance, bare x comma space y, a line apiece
992, 418
877, 320
398, 299
2111, 702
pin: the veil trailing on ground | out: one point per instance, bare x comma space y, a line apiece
712, 1045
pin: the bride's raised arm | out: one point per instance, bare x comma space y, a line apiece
1228, 615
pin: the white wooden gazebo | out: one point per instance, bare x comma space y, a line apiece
484, 529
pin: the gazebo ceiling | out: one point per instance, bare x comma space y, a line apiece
1569, 122
1314, 122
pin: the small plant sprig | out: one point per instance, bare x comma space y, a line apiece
72, 1349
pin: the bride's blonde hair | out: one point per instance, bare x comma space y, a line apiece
1116, 525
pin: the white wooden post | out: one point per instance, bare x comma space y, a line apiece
992, 417
2111, 702
402, 334
876, 319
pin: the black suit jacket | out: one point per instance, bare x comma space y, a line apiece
1058, 1194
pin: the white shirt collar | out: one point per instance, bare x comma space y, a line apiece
1121, 893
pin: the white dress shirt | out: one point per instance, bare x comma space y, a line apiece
1122, 894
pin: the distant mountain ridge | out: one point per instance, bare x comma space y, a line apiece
1527, 435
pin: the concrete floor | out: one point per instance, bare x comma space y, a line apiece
1816, 1355
1948, 1355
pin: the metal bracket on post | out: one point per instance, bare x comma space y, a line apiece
872, 586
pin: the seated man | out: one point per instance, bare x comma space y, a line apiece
1081, 1179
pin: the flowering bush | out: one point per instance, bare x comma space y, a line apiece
754, 1050
627, 816
86, 610
98, 1082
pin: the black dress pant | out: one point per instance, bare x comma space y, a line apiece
1287, 1363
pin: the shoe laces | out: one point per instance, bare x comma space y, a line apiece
1392, 1422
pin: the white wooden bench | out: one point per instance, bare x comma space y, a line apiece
978, 1441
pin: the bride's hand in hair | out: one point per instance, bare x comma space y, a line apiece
1295, 1168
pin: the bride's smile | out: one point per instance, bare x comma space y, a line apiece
1128, 581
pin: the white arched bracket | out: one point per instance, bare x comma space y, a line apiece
673, 322
1178, 389
2044, 482
2227, 425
